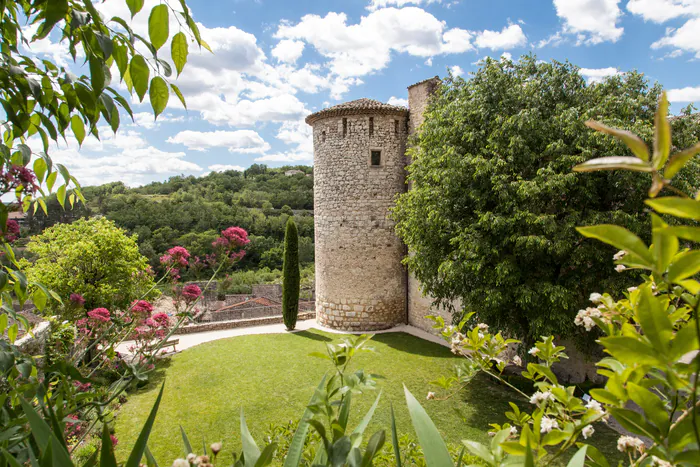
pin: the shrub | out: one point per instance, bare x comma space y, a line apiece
493, 193
290, 276
93, 258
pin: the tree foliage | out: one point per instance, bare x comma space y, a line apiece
491, 215
93, 258
290, 276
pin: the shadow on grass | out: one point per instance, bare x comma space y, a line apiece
413, 345
312, 335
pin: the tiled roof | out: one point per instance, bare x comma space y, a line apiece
355, 107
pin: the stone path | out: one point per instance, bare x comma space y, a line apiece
190, 340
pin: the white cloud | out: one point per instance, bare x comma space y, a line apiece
596, 75
510, 37
123, 157
398, 101
225, 167
358, 49
660, 11
591, 21
376, 4
288, 50
687, 94
241, 141
685, 38
146, 120
456, 70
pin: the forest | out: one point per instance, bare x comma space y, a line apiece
190, 211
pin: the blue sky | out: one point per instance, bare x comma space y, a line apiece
276, 61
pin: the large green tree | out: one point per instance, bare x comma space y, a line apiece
93, 258
291, 276
490, 217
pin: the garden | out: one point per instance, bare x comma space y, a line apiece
551, 208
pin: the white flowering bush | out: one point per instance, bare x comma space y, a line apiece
650, 336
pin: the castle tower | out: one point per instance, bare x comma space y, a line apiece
359, 167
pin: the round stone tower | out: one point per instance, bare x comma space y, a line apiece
359, 167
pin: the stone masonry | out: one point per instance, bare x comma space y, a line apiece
360, 281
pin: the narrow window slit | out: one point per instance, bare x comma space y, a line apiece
371, 126
345, 127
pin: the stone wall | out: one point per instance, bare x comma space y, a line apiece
241, 323
360, 281
420, 305
271, 291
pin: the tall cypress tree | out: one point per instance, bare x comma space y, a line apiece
291, 276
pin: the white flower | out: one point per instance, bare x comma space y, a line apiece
539, 397
596, 297
656, 462
585, 318
215, 448
517, 360
588, 431
533, 351
619, 255
620, 267
630, 443
595, 406
481, 335
631, 289
492, 434
483, 327
191, 458
548, 424
181, 463
513, 430
430, 396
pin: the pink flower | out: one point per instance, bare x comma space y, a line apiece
114, 439
220, 242
177, 255
237, 255
100, 314
161, 319
82, 387
12, 231
142, 307
191, 292
77, 299
236, 235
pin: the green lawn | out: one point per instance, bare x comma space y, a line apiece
272, 377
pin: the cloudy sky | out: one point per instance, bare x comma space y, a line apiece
276, 61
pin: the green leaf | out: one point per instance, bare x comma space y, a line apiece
678, 161
134, 6
374, 445
76, 124
664, 247
185, 441
266, 456
684, 265
633, 142
394, 438
107, 458
179, 95
662, 133
579, 459
630, 351
179, 49
654, 320
296, 446
158, 28
121, 58
679, 207
39, 428
56, 10
634, 422
40, 171
250, 449
159, 95
97, 74
140, 445
653, 407
620, 238
434, 449
613, 163
688, 233
139, 73
150, 460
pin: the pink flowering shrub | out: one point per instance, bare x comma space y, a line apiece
12, 231
230, 244
191, 292
176, 256
77, 299
18, 176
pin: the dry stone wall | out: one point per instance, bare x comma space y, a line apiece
360, 281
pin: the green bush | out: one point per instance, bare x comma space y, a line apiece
59, 341
290, 276
93, 258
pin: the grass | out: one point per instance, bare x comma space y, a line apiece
272, 377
